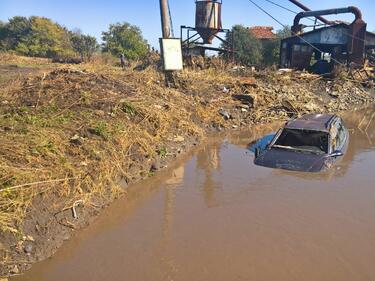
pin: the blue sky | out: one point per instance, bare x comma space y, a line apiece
94, 16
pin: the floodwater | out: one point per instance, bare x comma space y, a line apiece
216, 216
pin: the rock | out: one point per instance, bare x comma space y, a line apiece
225, 114
28, 248
76, 139
14, 269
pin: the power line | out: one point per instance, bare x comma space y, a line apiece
282, 7
285, 26
287, 9
170, 19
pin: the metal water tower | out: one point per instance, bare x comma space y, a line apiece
208, 19
208, 26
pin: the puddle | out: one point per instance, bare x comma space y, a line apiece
217, 216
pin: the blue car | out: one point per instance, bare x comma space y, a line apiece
311, 143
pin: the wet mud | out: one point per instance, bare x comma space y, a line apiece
217, 216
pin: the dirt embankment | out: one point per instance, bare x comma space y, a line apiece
73, 138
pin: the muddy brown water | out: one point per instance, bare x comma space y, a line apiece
217, 216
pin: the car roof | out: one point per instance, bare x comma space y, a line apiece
313, 122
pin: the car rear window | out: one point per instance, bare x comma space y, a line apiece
312, 141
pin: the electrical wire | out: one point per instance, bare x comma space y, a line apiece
287, 9
285, 26
170, 19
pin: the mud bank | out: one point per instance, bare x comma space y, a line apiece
73, 139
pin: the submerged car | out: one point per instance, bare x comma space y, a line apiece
311, 143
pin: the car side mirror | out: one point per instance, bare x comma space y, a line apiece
336, 153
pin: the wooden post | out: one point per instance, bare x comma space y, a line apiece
165, 21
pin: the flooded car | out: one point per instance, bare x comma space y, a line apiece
311, 143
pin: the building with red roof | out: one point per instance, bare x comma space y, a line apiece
262, 32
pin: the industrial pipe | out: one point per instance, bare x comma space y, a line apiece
351, 9
306, 9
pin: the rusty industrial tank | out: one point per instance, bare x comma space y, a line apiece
208, 19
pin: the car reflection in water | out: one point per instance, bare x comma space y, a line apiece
311, 143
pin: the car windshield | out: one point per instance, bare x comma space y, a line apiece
303, 140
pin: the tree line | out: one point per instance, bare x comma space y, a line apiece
41, 37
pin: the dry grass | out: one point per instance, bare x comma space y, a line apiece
120, 118
11, 58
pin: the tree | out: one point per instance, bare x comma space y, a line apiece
248, 49
285, 32
47, 39
124, 38
271, 48
15, 32
3, 35
271, 52
35, 36
84, 45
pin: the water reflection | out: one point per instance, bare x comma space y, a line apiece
209, 161
171, 186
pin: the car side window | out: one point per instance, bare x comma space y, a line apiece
339, 139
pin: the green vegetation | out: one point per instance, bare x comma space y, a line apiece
84, 45
251, 51
163, 152
127, 39
41, 37
248, 48
271, 48
129, 108
36, 36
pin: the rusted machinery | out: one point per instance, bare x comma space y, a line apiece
208, 19
208, 26
338, 42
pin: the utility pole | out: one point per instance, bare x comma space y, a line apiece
170, 48
165, 21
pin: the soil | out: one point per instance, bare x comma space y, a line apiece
75, 137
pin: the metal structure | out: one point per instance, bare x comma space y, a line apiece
306, 9
196, 40
208, 19
345, 43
